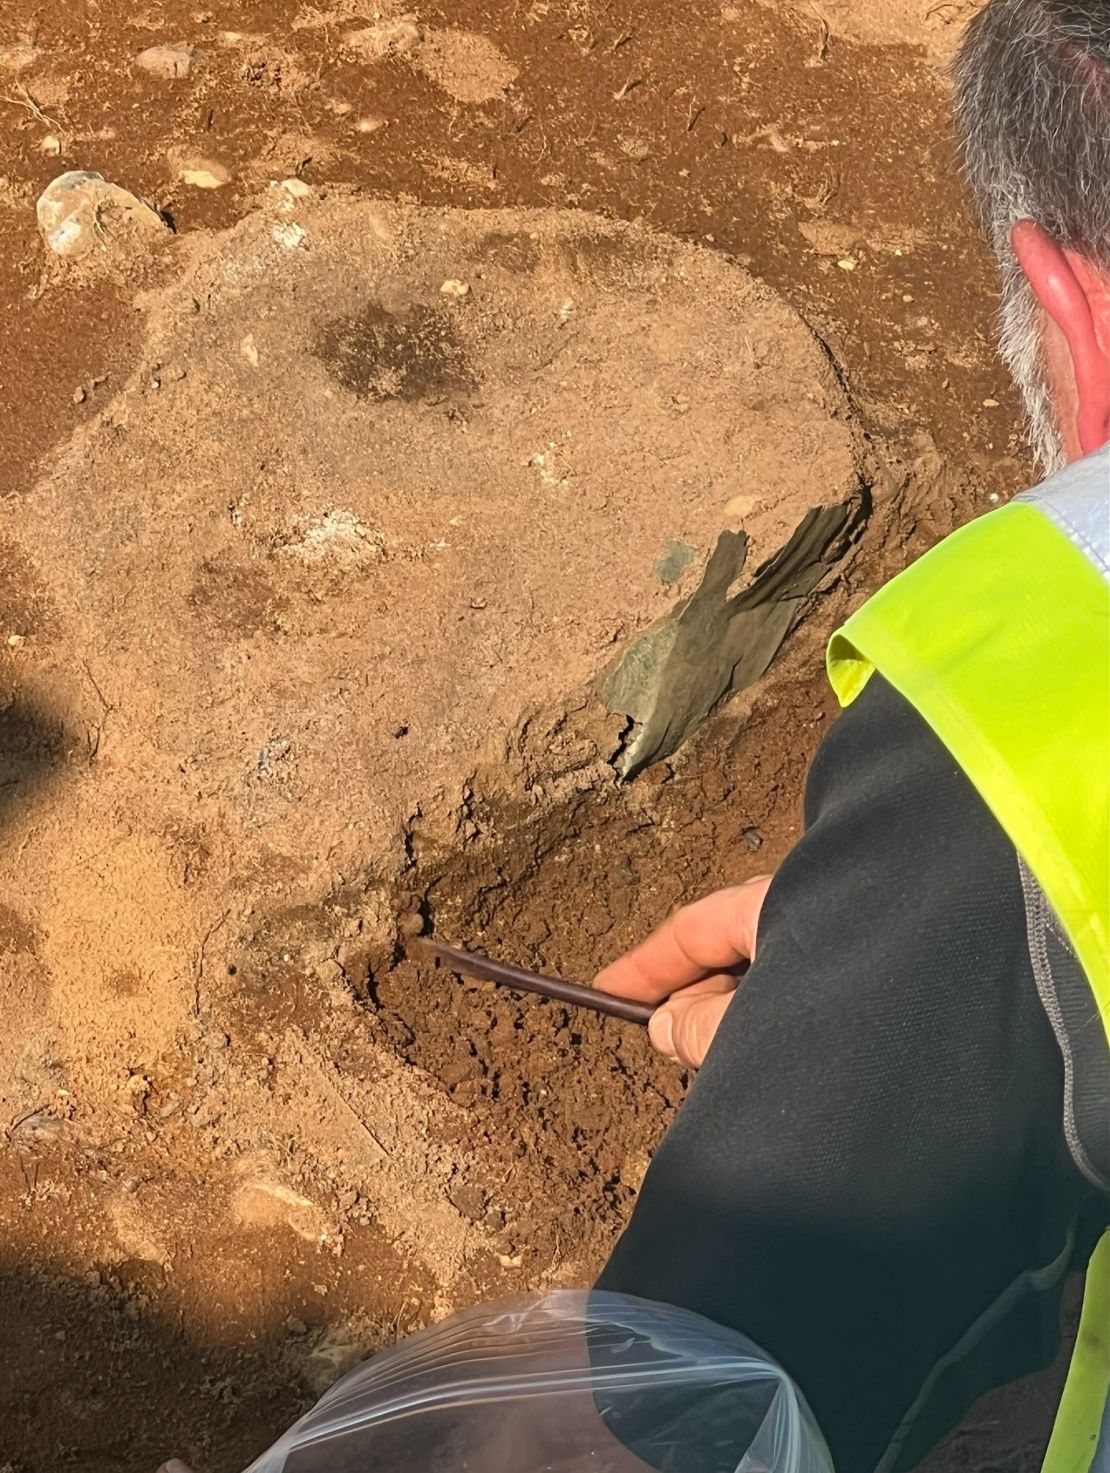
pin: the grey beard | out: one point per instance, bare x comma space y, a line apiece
1020, 347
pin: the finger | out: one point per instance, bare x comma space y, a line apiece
709, 936
683, 1028
716, 985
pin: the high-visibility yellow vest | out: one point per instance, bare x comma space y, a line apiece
1000, 638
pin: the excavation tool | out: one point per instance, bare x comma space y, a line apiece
470, 964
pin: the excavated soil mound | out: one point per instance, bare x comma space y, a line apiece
414, 529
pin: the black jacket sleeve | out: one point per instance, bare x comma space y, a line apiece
869, 1177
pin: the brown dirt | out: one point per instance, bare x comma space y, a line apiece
245, 1141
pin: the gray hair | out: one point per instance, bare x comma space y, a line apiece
1033, 106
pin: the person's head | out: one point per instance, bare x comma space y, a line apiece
1033, 105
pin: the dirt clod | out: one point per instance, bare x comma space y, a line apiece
173, 63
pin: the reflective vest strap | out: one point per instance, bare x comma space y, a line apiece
1081, 1419
1000, 638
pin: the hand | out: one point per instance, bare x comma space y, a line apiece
692, 960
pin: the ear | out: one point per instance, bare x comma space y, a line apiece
1074, 295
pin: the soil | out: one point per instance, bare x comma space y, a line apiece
308, 571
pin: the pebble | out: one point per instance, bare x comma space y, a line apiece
453, 288
296, 188
289, 236
371, 124
249, 350
990, 403
51, 146
633, 1169
81, 212
204, 174
847, 263
171, 62
80, 395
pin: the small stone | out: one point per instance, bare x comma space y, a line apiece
15, 641
633, 1169
371, 124
296, 188
906, 297
847, 263
51, 146
990, 403
289, 236
204, 174
296, 1326
81, 213
171, 62
249, 350
80, 395
453, 288
752, 840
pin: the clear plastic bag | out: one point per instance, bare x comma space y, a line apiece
565, 1382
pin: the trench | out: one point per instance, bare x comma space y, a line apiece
569, 1104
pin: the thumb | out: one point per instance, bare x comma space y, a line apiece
683, 1028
